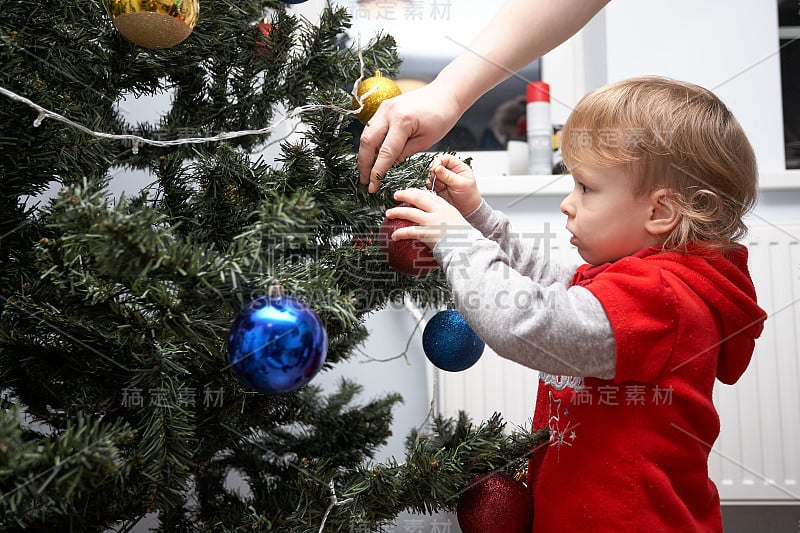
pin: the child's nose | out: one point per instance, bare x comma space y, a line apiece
567, 206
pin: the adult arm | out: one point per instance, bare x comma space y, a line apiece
521, 31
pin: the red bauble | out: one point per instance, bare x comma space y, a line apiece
408, 256
264, 29
360, 243
495, 503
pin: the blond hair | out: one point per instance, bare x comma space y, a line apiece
674, 135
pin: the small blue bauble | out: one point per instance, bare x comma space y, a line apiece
277, 344
449, 342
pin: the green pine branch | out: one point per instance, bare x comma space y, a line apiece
66, 480
438, 467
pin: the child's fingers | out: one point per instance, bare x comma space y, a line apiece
419, 198
433, 182
411, 214
453, 163
409, 232
444, 176
445, 169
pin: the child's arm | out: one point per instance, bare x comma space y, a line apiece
547, 326
437, 219
536, 322
528, 253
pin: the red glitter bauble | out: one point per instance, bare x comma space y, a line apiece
408, 256
495, 503
265, 29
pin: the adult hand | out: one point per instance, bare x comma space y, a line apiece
403, 126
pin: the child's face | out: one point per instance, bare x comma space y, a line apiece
605, 218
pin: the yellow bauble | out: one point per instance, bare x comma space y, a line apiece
384, 89
154, 24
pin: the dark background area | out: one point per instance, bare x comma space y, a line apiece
789, 17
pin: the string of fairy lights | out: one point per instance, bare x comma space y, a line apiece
137, 140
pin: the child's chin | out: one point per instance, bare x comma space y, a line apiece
590, 258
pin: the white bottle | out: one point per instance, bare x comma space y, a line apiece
540, 128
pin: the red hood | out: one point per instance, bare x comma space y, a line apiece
723, 282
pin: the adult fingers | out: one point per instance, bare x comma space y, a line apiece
371, 139
389, 153
384, 142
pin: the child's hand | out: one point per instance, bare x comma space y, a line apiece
435, 218
454, 181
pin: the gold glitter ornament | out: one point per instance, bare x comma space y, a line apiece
154, 24
384, 89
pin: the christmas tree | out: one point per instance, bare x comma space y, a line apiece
115, 313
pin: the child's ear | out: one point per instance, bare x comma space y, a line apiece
664, 212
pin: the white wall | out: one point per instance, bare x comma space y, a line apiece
729, 47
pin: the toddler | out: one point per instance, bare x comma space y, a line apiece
629, 344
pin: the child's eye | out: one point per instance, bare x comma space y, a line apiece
582, 187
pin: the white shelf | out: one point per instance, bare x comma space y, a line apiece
504, 185
490, 172
539, 185
788, 179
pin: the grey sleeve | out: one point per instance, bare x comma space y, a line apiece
538, 322
526, 251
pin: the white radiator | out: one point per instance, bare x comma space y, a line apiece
757, 456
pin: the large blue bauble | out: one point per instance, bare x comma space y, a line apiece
277, 344
449, 342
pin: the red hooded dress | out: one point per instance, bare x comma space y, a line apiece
631, 453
